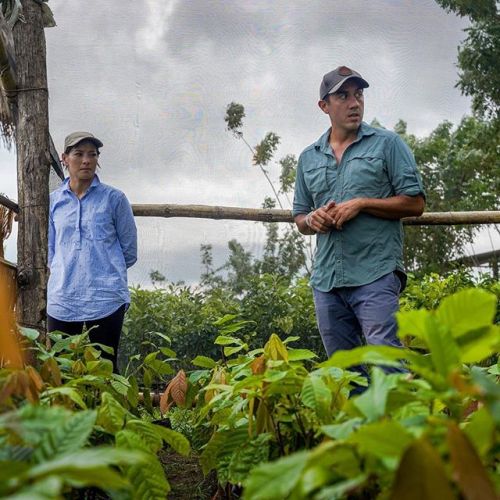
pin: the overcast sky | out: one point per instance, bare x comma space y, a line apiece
152, 80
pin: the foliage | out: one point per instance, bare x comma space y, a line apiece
49, 417
460, 170
479, 73
438, 425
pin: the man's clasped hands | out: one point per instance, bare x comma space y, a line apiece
334, 215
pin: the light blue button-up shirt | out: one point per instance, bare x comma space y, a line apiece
92, 242
378, 164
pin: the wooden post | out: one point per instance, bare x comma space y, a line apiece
33, 163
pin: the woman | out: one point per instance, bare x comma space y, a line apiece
92, 242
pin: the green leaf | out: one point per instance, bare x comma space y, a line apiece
372, 402
274, 480
29, 333
467, 310
120, 384
413, 323
481, 431
147, 432
317, 396
382, 439
341, 431
247, 457
133, 392
376, 355
225, 340
225, 319
300, 354
148, 480
445, 354
228, 351
70, 437
175, 439
168, 352
421, 475
341, 490
72, 394
111, 414
204, 362
479, 344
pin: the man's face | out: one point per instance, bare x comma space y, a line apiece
345, 107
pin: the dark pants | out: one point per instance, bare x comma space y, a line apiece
107, 331
349, 317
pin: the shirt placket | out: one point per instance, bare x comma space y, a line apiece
78, 225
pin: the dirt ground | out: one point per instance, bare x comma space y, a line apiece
186, 478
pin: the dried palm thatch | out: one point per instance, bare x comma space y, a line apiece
7, 82
6, 219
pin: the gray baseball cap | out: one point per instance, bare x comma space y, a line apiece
76, 137
335, 79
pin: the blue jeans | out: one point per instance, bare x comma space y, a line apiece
350, 317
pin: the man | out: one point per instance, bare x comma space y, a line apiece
353, 186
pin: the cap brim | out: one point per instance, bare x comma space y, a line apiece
364, 84
94, 140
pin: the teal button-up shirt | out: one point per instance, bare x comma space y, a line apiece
377, 165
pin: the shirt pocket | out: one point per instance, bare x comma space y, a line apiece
320, 180
99, 227
366, 176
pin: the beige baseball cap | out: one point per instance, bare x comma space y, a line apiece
76, 137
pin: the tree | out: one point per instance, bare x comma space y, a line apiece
461, 172
478, 56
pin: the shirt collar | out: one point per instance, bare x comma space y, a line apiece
323, 143
95, 182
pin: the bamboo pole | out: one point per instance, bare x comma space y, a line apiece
273, 215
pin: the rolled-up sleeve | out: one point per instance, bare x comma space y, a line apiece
302, 199
402, 169
126, 230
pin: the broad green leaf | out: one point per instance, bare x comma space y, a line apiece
208, 458
29, 333
133, 392
166, 351
46, 489
469, 472
163, 336
376, 355
316, 395
72, 394
274, 480
481, 431
341, 431
300, 354
69, 437
373, 401
111, 413
413, 323
382, 439
147, 432
421, 475
225, 319
204, 362
467, 310
247, 457
229, 351
225, 340
148, 480
445, 354
88, 458
341, 490
175, 439
479, 344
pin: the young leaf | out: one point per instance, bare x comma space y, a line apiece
203, 362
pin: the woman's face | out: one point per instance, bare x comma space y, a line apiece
81, 161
